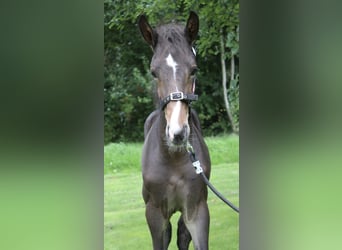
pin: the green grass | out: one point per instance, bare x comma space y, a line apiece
122, 156
125, 227
126, 156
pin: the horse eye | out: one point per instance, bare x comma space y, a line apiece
193, 71
153, 73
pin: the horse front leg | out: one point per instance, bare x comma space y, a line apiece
197, 222
159, 226
183, 235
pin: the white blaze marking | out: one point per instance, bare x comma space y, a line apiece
174, 126
171, 63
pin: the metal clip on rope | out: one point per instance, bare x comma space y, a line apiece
197, 165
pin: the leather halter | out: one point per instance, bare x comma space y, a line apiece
178, 96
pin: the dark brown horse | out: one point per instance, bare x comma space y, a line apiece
170, 182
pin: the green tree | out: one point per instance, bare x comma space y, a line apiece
221, 37
127, 85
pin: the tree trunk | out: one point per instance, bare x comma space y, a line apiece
224, 82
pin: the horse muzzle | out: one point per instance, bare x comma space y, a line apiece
177, 137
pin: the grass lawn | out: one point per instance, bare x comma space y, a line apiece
125, 227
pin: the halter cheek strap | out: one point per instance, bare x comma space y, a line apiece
178, 96
194, 86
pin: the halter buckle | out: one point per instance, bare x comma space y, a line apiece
176, 96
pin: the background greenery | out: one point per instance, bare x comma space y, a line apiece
128, 85
124, 210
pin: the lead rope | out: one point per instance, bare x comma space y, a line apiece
199, 170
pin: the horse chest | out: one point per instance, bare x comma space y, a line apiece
170, 190
176, 193
176, 187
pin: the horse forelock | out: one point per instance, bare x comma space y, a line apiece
172, 33
172, 38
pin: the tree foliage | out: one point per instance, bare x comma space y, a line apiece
128, 85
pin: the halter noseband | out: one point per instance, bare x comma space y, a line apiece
178, 96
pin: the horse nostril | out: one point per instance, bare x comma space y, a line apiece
178, 138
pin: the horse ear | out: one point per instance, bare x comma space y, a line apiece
192, 27
146, 30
